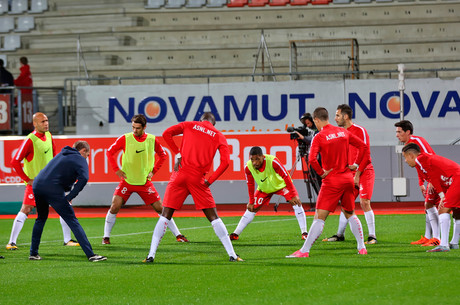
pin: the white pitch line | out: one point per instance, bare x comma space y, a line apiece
150, 232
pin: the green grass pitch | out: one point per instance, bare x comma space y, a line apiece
394, 272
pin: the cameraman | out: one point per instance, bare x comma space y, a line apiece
310, 129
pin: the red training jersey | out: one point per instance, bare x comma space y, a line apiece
425, 149
26, 151
120, 144
279, 169
200, 142
438, 170
333, 144
362, 134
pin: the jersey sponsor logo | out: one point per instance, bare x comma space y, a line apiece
335, 135
139, 151
47, 150
204, 130
31, 196
263, 180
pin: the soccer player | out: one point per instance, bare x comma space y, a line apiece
338, 184
200, 142
272, 178
343, 117
404, 133
138, 165
36, 151
67, 172
444, 174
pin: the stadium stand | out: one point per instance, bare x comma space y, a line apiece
38, 6
6, 24
24, 23
18, 6
198, 37
3, 6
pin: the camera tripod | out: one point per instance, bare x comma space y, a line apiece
310, 177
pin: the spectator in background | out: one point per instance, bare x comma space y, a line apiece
6, 78
24, 79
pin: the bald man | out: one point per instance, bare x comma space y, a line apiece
37, 149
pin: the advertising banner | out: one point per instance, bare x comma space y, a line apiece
433, 106
100, 171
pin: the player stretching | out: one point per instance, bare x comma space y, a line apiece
343, 117
444, 174
138, 166
332, 143
36, 151
404, 133
272, 178
200, 142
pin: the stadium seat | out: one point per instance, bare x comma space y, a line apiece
175, 3
237, 3
195, 3
384, 0
363, 1
11, 42
258, 2
341, 1
279, 2
38, 6
6, 24
18, 6
320, 2
155, 3
3, 6
216, 3
300, 2
24, 23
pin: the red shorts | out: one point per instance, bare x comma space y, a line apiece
184, 183
261, 198
366, 184
29, 198
452, 199
334, 189
147, 192
432, 196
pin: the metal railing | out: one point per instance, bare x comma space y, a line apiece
19, 104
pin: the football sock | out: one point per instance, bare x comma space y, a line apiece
222, 233
316, 230
244, 221
157, 235
427, 227
456, 232
17, 226
65, 230
301, 218
109, 223
370, 220
357, 230
343, 221
444, 223
172, 226
433, 216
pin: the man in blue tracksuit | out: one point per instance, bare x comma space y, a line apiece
69, 168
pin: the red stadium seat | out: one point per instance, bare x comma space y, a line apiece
237, 3
316, 2
279, 2
258, 3
299, 2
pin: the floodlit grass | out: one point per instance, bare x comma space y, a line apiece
394, 272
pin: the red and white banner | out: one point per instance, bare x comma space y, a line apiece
100, 171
